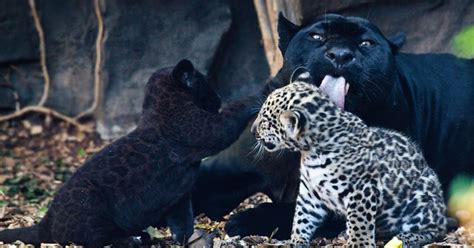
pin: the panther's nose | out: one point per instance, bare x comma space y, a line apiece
339, 56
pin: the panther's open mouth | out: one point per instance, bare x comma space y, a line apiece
336, 89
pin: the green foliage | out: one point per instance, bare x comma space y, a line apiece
44, 159
42, 212
6, 153
59, 163
460, 184
463, 43
81, 153
26, 186
63, 171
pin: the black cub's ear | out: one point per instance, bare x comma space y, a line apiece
286, 31
397, 41
184, 72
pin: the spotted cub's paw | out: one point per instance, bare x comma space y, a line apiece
359, 244
299, 243
343, 235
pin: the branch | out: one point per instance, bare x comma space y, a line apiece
98, 59
47, 111
267, 11
39, 108
42, 48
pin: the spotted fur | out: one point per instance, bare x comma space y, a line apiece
375, 177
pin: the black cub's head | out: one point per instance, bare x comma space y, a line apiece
350, 53
193, 82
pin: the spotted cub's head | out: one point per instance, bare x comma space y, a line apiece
294, 117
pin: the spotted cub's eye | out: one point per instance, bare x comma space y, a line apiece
316, 36
367, 43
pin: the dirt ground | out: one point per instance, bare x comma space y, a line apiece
37, 156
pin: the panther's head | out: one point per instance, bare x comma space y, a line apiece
177, 85
350, 49
293, 116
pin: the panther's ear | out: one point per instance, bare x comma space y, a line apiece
286, 31
292, 122
397, 41
184, 72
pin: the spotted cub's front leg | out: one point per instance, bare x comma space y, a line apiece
361, 211
310, 212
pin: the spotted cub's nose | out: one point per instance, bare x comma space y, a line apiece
253, 129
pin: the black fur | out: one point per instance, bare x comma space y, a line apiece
145, 178
429, 97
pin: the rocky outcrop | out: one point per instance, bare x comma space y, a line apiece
140, 37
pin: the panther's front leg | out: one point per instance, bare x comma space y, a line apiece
361, 211
310, 212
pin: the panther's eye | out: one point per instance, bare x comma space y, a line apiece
367, 43
316, 36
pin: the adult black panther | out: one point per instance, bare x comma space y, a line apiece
429, 97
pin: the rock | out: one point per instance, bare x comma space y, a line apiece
142, 38
240, 68
139, 39
70, 31
69, 28
19, 39
7, 99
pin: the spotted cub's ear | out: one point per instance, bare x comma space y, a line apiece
184, 72
292, 122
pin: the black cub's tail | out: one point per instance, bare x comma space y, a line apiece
28, 235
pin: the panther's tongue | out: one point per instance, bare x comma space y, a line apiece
335, 88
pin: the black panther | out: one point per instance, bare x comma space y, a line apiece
144, 178
429, 97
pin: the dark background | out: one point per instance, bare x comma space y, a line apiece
222, 38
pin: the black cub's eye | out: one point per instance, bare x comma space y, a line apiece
316, 36
367, 43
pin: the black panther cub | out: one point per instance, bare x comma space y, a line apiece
145, 178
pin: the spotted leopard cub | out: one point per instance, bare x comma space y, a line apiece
377, 178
